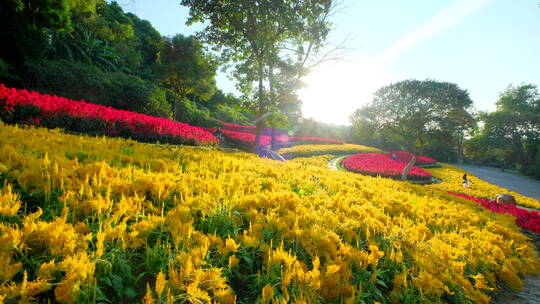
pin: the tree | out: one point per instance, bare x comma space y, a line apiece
185, 69
27, 25
414, 112
517, 122
253, 34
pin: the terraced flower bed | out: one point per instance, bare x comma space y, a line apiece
420, 161
314, 150
451, 180
22, 106
94, 219
526, 219
380, 164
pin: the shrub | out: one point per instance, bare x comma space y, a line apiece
76, 80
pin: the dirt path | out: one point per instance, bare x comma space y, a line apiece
334, 163
520, 184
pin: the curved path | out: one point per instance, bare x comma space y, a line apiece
517, 183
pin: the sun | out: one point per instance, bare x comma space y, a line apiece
335, 90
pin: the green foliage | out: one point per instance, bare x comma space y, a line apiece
76, 80
190, 112
84, 45
415, 113
94, 51
116, 277
230, 114
319, 129
185, 69
27, 25
148, 45
4, 69
514, 128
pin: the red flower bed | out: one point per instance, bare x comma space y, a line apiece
249, 139
281, 135
315, 140
53, 111
406, 157
529, 220
382, 164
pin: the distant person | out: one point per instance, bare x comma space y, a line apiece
466, 181
394, 156
219, 134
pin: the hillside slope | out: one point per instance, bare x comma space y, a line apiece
84, 219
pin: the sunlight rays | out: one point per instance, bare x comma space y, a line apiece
336, 89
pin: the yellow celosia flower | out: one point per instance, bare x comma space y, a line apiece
79, 270
113, 199
267, 294
160, 283
230, 246
311, 150
46, 270
479, 282
7, 268
375, 255
197, 295
233, 261
9, 201
148, 298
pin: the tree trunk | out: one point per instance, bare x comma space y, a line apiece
460, 149
411, 163
260, 119
273, 142
272, 97
407, 168
518, 145
175, 110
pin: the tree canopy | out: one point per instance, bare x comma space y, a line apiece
185, 69
516, 123
252, 36
415, 112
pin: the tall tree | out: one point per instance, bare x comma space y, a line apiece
252, 35
517, 122
414, 112
185, 69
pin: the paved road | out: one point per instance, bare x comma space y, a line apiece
520, 184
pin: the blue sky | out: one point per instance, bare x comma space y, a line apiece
481, 45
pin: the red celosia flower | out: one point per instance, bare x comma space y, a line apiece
406, 157
529, 220
381, 164
136, 122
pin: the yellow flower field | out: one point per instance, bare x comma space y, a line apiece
313, 150
92, 219
452, 181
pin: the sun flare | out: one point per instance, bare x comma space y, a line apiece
335, 90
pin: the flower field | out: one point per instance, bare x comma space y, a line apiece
381, 164
313, 150
18, 106
529, 220
406, 157
451, 178
282, 135
93, 219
